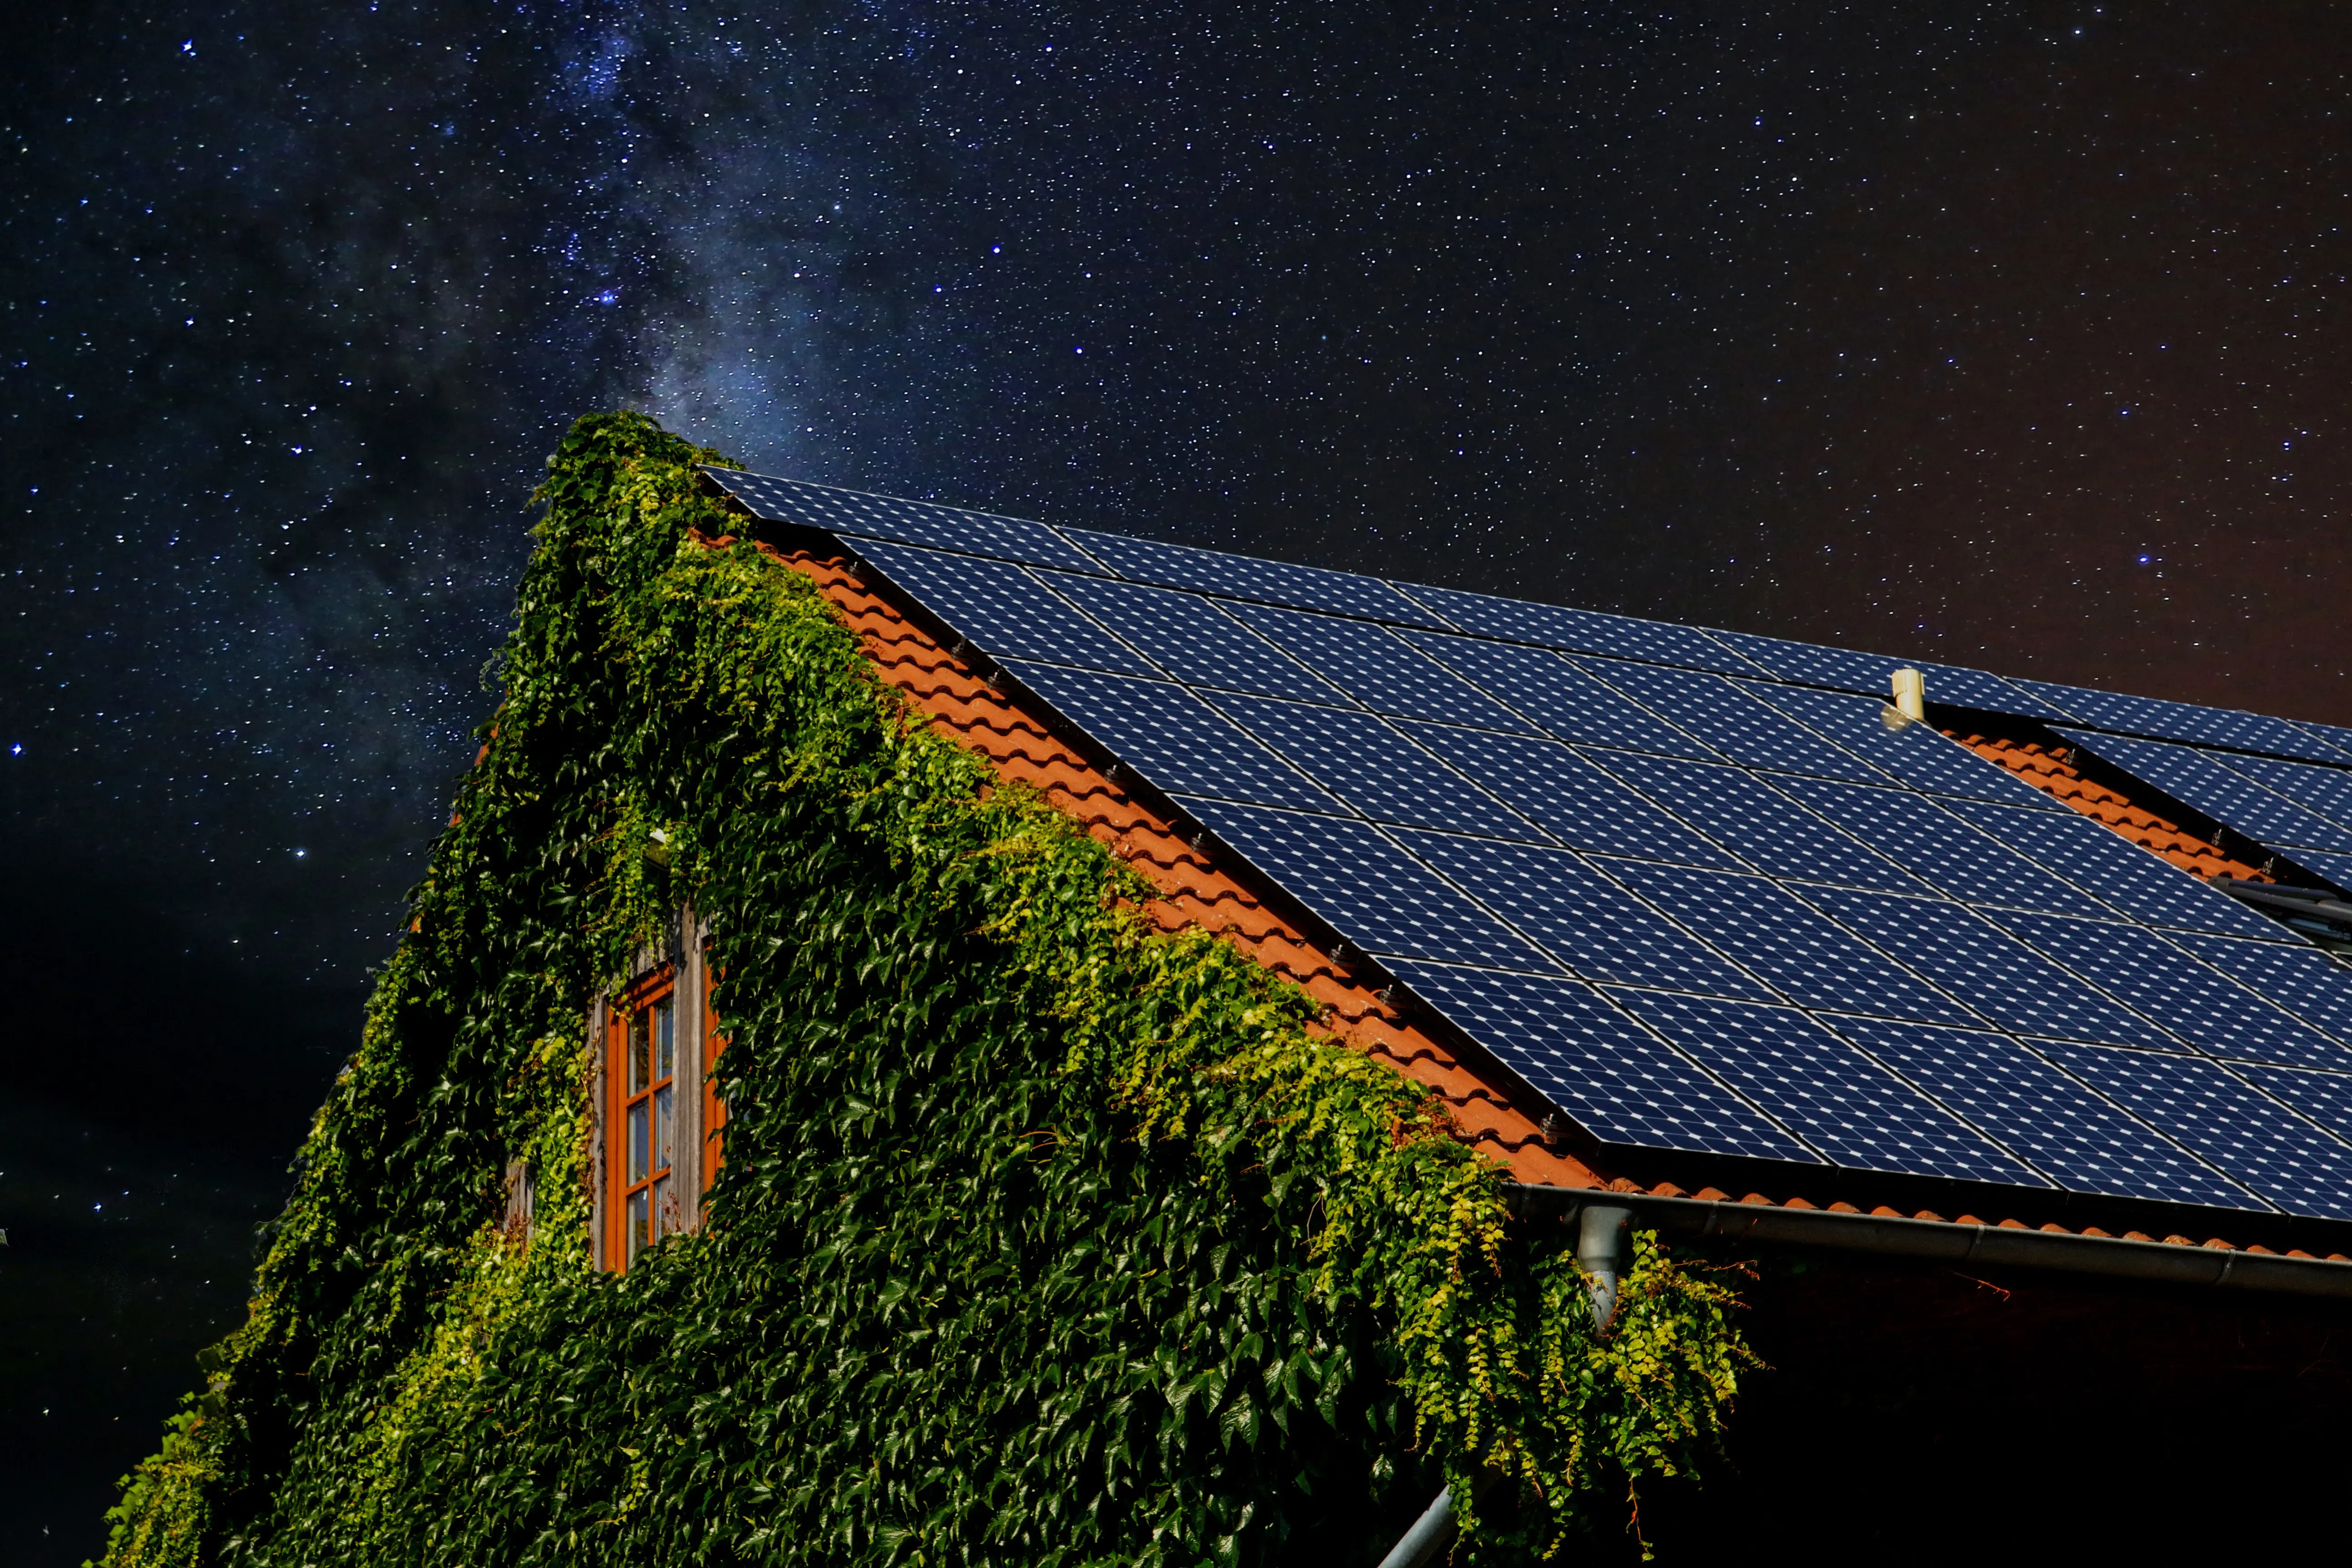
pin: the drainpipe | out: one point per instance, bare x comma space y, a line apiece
1430, 1534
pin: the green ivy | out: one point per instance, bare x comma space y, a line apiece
1041, 1237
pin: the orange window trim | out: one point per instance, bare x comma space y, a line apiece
643, 1203
714, 1110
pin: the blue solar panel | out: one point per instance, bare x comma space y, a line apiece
1568, 797
1583, 631
1772, 831
2077, 1138
2254, 732
2327, 790
2186, 721
1818, 665
1379, 669
1811, 959
2161, 982
1365, 888
1372, 768
908, 521
1562, 698
1588, 922
1986, 968
1961, 686
2303, 980
1830, 1094
2109, 710
1932, 843
2324, 1097
2248, 1135
1003, 608
1735, 723
2104, 864
1612, 1077
2337, 868
1918, 754
2336, 737
2226, 795
1171, 737
1249, 577
1193, 640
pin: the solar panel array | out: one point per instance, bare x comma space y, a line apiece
1704, 890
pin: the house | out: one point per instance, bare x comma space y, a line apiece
1998, 1024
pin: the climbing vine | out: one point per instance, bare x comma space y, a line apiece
1041, 1237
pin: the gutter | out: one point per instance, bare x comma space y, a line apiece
1939, 1241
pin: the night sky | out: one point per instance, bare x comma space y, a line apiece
2013, 336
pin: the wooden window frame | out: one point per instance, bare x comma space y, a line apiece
683, 980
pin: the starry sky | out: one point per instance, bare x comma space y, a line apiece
2008, 334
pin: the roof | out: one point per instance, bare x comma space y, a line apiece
1652, 906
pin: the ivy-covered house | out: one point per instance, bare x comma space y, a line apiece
933, 1038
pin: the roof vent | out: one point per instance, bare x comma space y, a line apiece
1911, 694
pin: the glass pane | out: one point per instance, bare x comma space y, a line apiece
665, 1052
664, 1207
639, 1229
665, 1130
639, 1053
637, 1130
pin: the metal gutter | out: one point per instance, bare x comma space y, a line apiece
1941, 1241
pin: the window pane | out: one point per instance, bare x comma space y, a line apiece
639, 1231
665, 1130
666, 1048
639, 1053
665, 1194
637, 1131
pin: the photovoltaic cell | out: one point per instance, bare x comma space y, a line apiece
2253, 733
1372, 768
1569, 798
1249, 577
1559, 697
2324, 1097
2109, 710
1918, 754
1964, 688
1735, 723
908, 521
1583, 631
2337, 868
2248, 1135
1193, 640
2188, 722
2327, 790
2336, 737
1942, 849
1595, 926
1378, 668
1986, 968
1824, 1089
1002, 607
1171, 737
1614, 1079
2079, 1139
1817, 665
1367, 888
2222, 793
2104, 864
2305, 981
1772, 832
2162, 982
1811, 960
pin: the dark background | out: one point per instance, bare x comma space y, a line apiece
2009, 335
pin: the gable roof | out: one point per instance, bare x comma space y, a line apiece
1669, 907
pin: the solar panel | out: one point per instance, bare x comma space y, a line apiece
1772, 832
2156, 717
1568, 797
1961, 686
2162, 982
1992, 972
2327, 790
1588, 922
2254, 732
1193, 640
2337, 868
1735, 723
1003, 608
1249, 577
2191, 777
2104, 863
1372, 768
2303, 980
2324, 1097
2079, 1139
2109, 710
1918, 754
1559, 697
1815, 664
1171, 737
2248, 1135
1939, 847
1583, 631
1813, 961
1379, 669
908, 521
1367, 888
2334, 736
1617, 1082
1824, 1089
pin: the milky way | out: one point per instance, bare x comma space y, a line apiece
2011, 337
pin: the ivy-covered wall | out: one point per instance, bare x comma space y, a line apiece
1040, 1239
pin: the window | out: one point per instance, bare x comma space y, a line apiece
647, 1200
